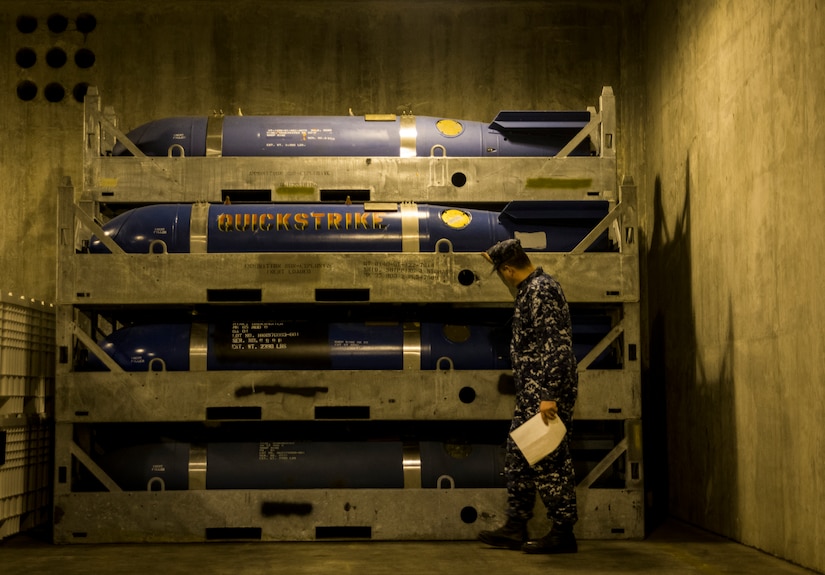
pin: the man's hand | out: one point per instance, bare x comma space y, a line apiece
548, 410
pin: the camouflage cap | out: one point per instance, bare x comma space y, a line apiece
503, 252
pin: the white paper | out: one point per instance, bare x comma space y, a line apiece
537, 439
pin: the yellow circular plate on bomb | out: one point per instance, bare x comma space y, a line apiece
449, 128
456, 219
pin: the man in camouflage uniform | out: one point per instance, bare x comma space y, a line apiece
544, 369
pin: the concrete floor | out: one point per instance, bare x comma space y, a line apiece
673, 549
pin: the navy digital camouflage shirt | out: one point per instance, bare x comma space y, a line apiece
541, 350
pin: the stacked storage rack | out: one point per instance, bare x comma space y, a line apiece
377, 450
27, 329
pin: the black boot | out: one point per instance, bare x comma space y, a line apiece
511, 536
560, 539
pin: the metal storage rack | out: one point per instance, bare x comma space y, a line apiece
93, 287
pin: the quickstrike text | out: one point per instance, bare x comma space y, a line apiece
287, 221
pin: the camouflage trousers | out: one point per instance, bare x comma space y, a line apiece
552, 478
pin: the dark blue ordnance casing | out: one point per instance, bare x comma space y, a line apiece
270, 344
218, 228
297, 345
286, 464
512, 133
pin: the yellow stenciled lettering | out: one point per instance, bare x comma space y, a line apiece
301, 221
333, 221
319, 217
378, 221
282, 222
361, 219
224, 223
258, 222
265, 222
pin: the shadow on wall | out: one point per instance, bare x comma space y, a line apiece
689, 413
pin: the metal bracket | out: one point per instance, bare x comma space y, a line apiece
94, 115
591, 126
602, 466
93, 467
90, 223
91, 344
612, 216
600, 347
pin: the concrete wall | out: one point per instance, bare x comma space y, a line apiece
734, 178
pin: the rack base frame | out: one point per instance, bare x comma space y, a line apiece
318, 515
